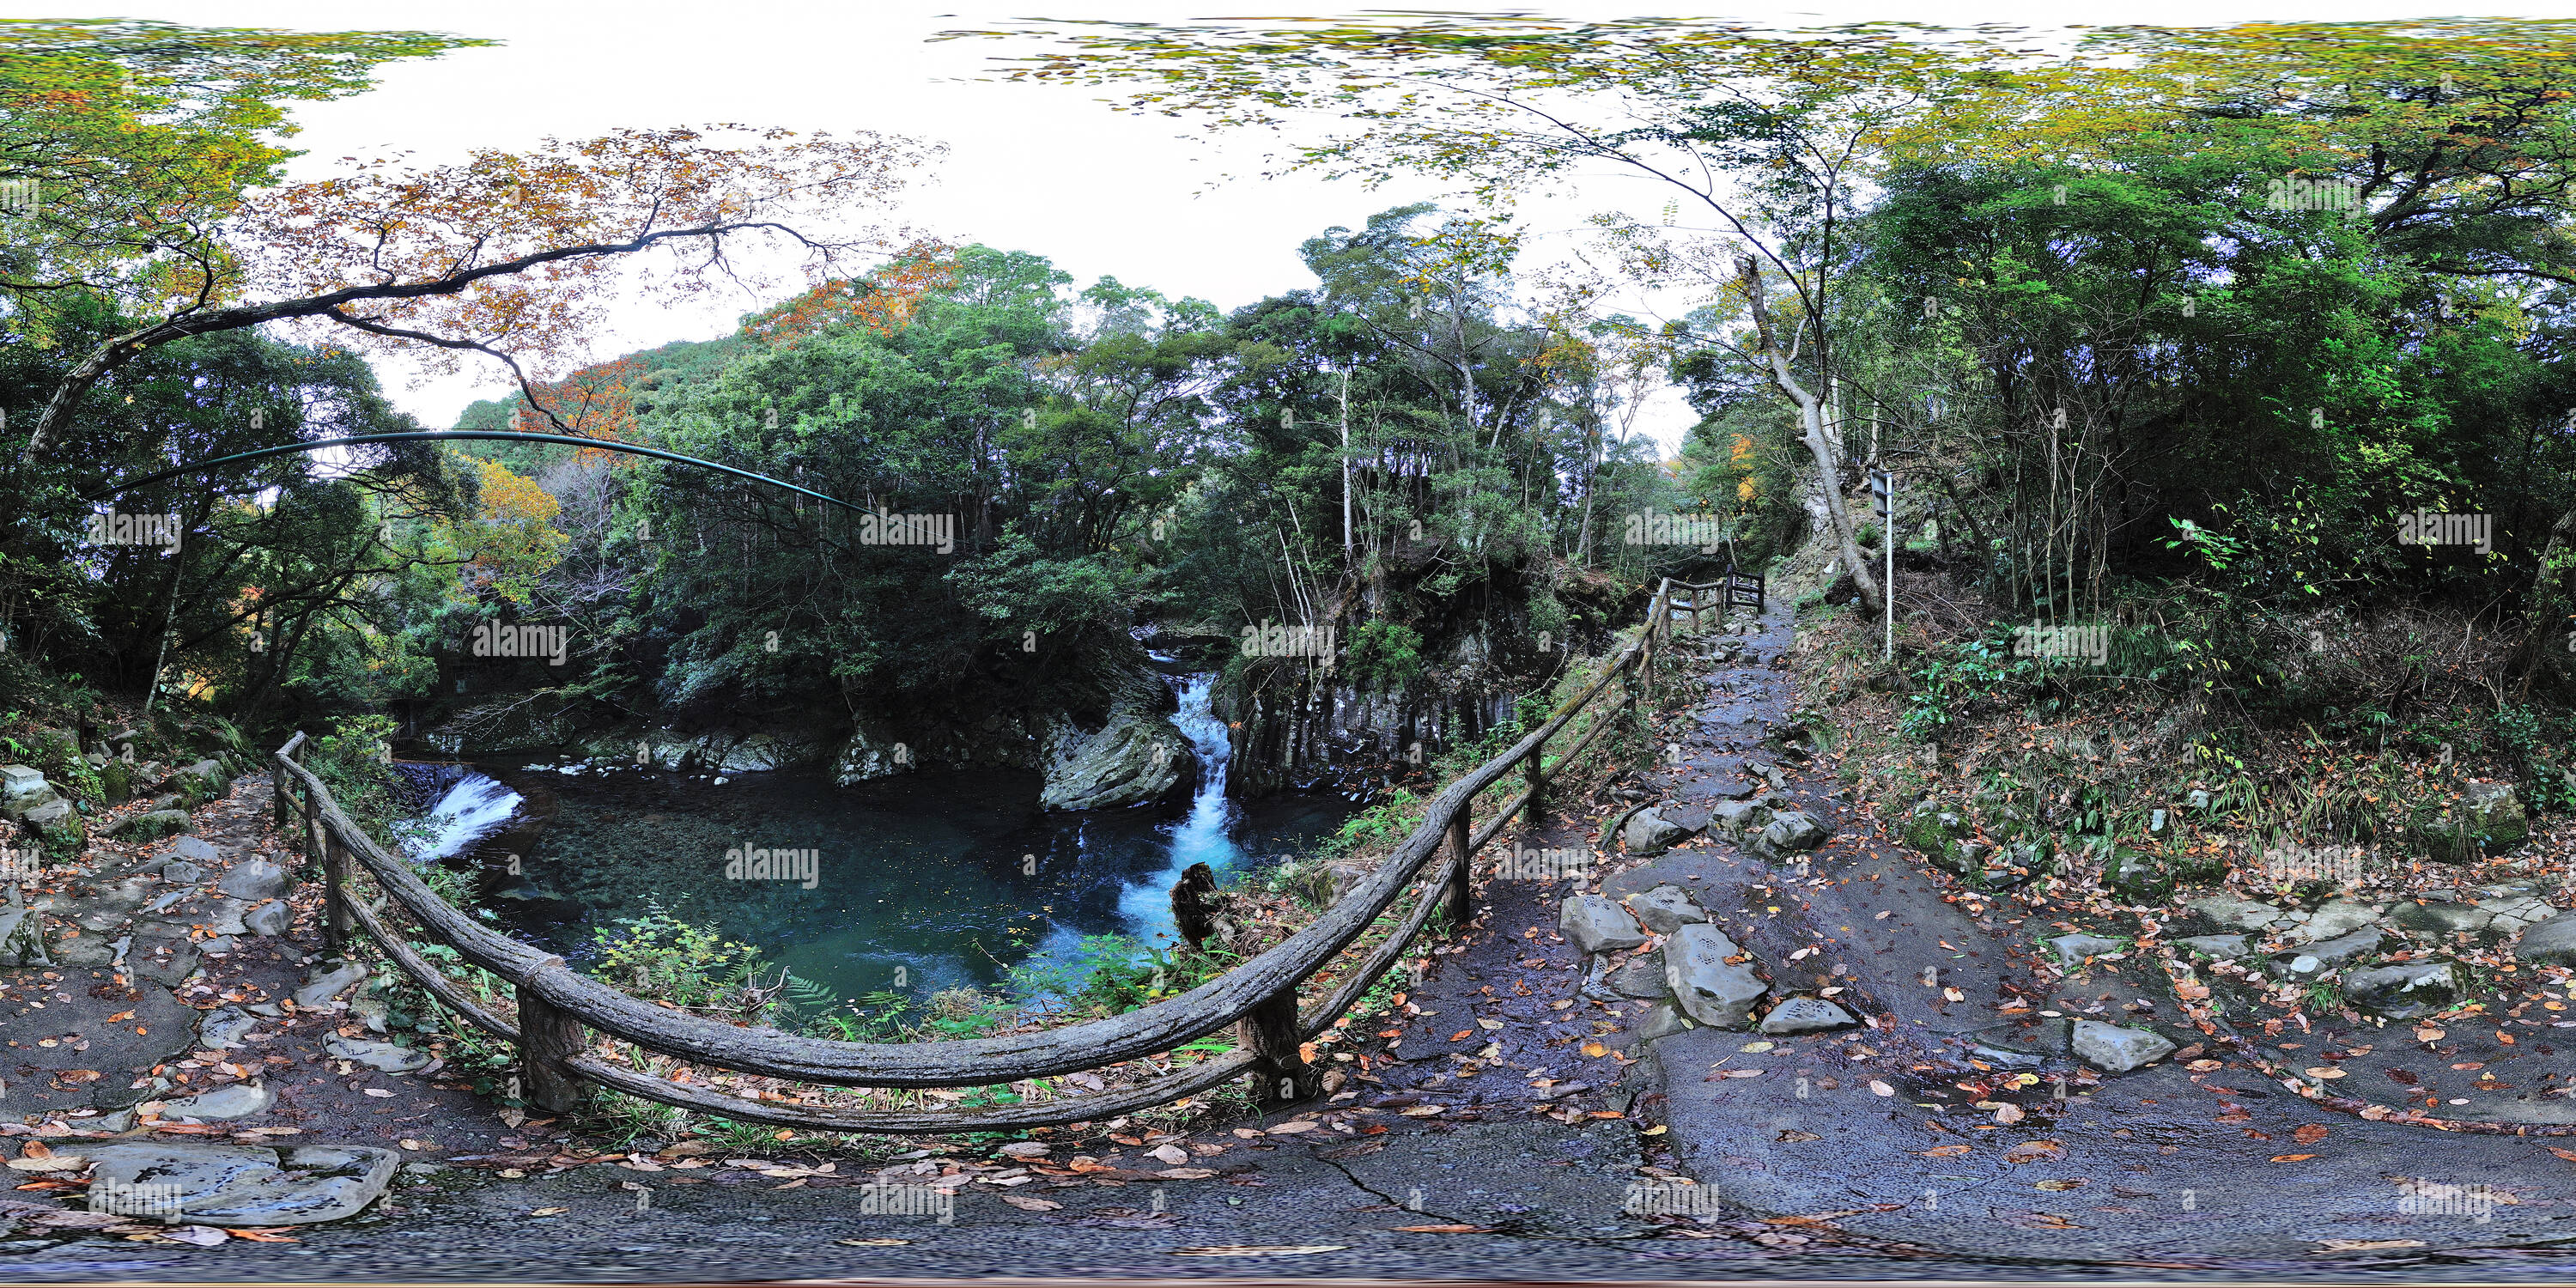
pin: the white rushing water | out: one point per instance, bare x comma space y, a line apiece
1204, 836
471, 810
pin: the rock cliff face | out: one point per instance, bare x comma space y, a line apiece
1297, 728
1118, 747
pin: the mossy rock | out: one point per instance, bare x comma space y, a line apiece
2139, 875
154, 825
2488, 819
1935, 832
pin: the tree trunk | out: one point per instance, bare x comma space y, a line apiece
2553, 609
1811, 416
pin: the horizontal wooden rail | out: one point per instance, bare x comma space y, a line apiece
556, 1002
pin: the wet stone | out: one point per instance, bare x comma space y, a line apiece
319, 989
1649, 832
170, 971
239, 1100
195, 850
2340, 917
254, 879
224, 1028
2440, 918
251, 1185
2552, 942
2404, 992
2115, 1048
1641, 976
2222, 947
383, 1057
2225, 913
2073, 949
272, 918
1709, 988
1791, 832
1596, 925
1666, 908
1806, 1015
2335, 954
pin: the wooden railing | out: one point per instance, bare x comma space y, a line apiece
556, 1004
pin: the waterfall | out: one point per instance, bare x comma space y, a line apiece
474, 808
1202, 837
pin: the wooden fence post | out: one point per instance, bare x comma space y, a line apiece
1535, 772
546, 1035
1461, 892
1281, 1073
335, 895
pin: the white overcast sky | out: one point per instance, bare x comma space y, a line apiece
1041, 169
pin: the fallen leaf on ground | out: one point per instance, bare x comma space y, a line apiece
873, 1243
2364, 1245
1945, 1151
2292, 1158
1029, 1203
2070, 1183
1186, 1173
2031, 1151
1793, 1136
264, 1234
2309, 1134
203, 1236
550, 1211
1881, 1088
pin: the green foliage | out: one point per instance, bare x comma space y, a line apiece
1383, 654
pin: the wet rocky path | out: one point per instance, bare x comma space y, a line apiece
1512, 1118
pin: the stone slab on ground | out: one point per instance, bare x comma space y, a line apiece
252, 1185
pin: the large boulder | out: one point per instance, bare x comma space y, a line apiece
2550, 943
1135, 758
244, 1185
2405, 992
1707, 986
1596, 925
2114, 1048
